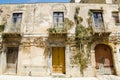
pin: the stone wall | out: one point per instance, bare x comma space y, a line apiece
36, 19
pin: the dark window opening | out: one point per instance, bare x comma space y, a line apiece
116, 1
58, 19
17, 17
93, 1
98, 19
115, 15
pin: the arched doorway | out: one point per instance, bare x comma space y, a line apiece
104, 60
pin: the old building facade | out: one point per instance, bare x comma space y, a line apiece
34, 40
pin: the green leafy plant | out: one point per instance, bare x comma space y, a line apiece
67, 25
51, 30
82, 60
2, 27
56, 30
72, 1
6, 35
83, 37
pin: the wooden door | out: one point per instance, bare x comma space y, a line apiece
12, 56
104, 61
58, 59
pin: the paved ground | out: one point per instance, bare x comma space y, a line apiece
10, 77
108, 77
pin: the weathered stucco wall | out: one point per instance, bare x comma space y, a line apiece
36, 20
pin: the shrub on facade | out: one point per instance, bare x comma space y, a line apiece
2, 27
83, 37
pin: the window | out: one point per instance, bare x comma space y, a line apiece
17, 17
58, 19
98, 19
119, 51
93, 1
116, 1
115, 15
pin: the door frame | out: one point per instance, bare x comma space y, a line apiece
50, 71
16, 64
93, 56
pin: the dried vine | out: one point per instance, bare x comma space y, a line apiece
67, 25
2, 27
83, 37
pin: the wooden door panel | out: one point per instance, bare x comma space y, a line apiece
58, 59
55, 56
103, 55
62, 59
103, 58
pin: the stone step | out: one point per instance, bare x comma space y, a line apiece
105, 71
103, 77
10, 71
108, 77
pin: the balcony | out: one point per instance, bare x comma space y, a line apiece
58, 29
11, 39
12, 27
101, 28
58, 33
11, 34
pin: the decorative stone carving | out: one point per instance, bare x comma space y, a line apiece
39, 42
36, 41
19, 7
59, 7
115, 38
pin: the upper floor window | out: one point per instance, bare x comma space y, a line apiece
93, 1
116, 1
58, 19
17, 17
115, 15
98, 19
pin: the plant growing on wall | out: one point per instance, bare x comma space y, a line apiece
2, 27
83, 38
67, 25
72, 1
101, 36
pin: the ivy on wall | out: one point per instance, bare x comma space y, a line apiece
83, 38
67, 25
2, 27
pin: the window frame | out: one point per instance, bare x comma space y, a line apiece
115, 15
16, 16
100, 21
56, 23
